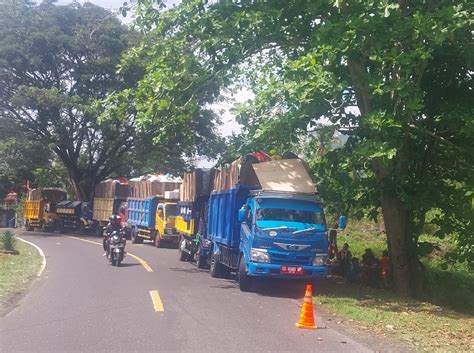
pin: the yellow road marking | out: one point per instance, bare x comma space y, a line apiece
139, 259
142, 262
87, 241
157, 303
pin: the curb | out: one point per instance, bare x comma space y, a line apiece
43, 264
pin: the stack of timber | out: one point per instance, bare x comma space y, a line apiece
112, 189
50, 194
152, 185
196, 184
239, 172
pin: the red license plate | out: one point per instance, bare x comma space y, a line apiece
291, 270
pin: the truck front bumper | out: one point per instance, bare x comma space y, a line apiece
258, 269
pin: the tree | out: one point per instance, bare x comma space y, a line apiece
55, 62
393, 76
20, 156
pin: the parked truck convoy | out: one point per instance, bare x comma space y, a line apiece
257, 217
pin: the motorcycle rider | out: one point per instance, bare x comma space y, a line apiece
115, 225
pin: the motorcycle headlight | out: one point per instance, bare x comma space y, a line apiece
259, 255
115, 239
320, 260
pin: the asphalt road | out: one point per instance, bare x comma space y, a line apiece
82, 304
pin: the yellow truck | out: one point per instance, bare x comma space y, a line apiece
39, 210
165, 223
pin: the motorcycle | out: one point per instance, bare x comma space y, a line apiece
116, 248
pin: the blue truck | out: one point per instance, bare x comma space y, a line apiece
275, 228
152, 218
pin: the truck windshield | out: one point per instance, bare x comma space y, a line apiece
171, 210
280, 214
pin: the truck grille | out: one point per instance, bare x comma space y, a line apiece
290, 258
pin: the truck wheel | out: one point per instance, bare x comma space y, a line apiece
28, 227
245, 281
182, 255
61, 228
217, 269
134, 237
42, 227
99, 232
81, 228
200, 260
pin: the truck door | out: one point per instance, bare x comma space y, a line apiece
160, 219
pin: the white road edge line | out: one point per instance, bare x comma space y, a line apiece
43, 265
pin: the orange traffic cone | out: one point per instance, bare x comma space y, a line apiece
307, 315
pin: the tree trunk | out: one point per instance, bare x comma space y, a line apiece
403, 252
83, 185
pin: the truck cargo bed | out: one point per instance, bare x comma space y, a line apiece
105, 207
223, 226
142, 212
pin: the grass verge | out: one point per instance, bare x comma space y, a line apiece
424, 326
16, 271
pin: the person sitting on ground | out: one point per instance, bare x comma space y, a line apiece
345, 259
385, 270
354, 271
370, 268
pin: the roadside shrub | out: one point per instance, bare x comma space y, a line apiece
8, 241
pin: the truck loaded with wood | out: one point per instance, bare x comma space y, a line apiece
262, 219
151, 209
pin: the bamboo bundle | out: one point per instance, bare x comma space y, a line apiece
195, 184
50, 194
152, 185
112, 188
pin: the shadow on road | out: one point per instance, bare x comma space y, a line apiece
187, 270
267, 287
129, 264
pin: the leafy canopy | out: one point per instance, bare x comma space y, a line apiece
395, 77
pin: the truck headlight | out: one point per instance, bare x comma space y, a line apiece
319, 260
259, 255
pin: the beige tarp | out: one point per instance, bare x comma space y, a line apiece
284, 175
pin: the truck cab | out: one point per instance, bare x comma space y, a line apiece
166, 213
282, 235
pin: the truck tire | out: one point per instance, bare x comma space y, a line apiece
217, 269
245, 281
182, 255
99, 232
28, 227
200, 260
134, 237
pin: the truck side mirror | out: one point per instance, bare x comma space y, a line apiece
342, 222
242, 212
